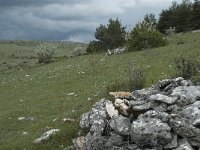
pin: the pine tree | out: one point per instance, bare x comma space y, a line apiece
178, 15
195, 19
108, 37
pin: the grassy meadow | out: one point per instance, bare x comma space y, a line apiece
20, 54
69, 87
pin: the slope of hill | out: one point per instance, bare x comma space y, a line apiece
46, 94
24, 53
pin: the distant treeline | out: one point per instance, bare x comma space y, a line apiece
184, 16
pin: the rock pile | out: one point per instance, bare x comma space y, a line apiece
164, 116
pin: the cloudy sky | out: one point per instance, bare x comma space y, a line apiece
72, 20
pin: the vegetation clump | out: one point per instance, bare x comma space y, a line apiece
187, 68
145, 35
78, 51
46, 52
184, 16
136, 80
108, 37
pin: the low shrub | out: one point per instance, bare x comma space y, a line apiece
78, 51
187, 68
45, 53
137, 78
95, 46
45, 57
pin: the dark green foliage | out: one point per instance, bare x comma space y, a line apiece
45, 57
95, 46
184, 17
108, 37
195, 19
187, 68
144, 36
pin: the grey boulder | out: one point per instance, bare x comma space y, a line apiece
120, 125
150, 132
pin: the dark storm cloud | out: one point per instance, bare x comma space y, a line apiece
68, 19
8, 3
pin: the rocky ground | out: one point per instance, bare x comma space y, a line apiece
164, 116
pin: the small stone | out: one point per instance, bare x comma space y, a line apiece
70, 94
21, 118
29, 119
163, 98
68, 120
25, 133
55, 119
173, 115
46, 136
26, 118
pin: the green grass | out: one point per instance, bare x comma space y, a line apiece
14, 54
42, 91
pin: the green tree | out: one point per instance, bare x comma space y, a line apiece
165, 20
178, 15
184, 12
145, 35
151, 19
195, 19
108, 37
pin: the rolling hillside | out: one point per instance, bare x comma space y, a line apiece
68, 87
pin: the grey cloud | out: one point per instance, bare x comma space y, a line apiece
68, 19
10, 3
